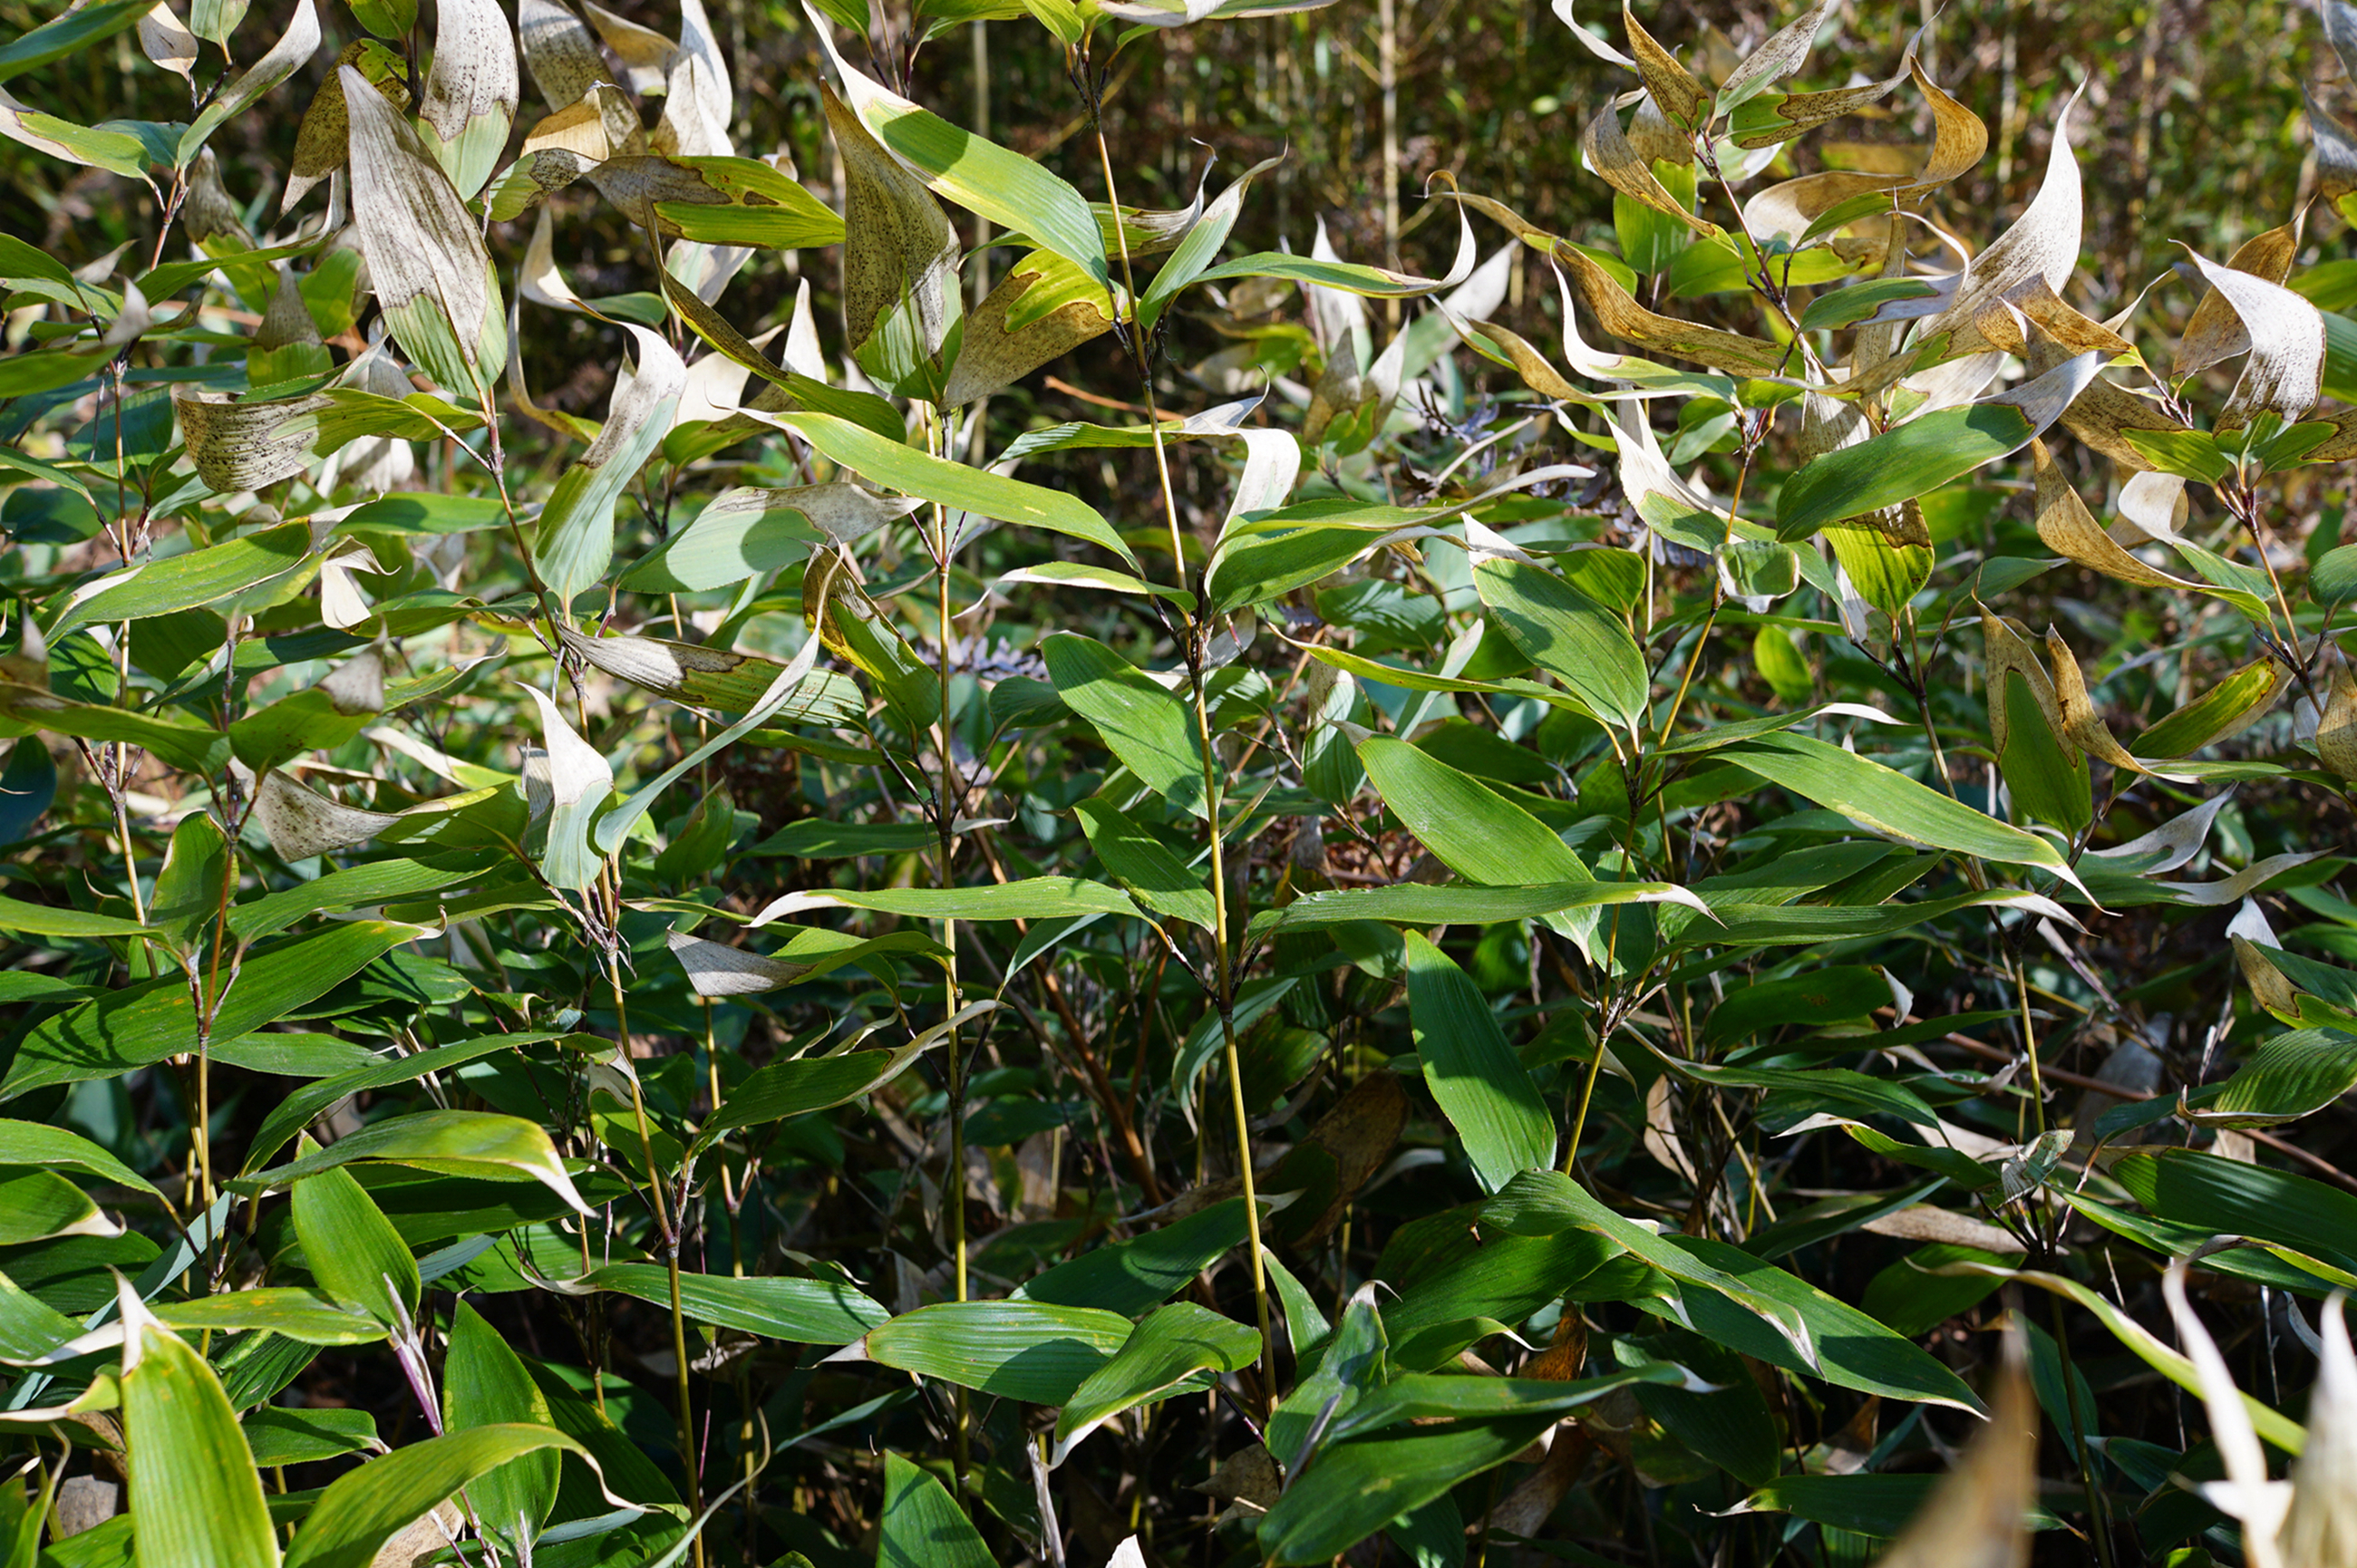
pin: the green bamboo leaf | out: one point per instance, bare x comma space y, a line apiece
1194, 253
2289, 1076
37, 1204
1175, 1350
1423, 1397
801, 1085
30, 1327
1133, 1276
484, 1385
2228, 1198
49, 920
1482, 1087
279, 1436
973, 171
69, 33
1853, 1350
195, 1499
1145, 867
1027, 1351
797, 1311
1473, 830
295, 1112
143, 1023
1356, 1487
1542, 1202
475, 1144
1568, 635
187, 581
1459, 904
365, 1508
304, 1316
1924, 454
899, 466
181, 741
574, 545
354, 887
351, 1249
1892, 804
41, 1143
921, 1525
1485, 1274
1141, 721
719, 200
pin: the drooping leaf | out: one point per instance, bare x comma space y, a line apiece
1473, 1071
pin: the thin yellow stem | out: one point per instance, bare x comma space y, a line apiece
1223, 973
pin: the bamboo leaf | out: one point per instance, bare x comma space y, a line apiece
195, 1496
1473, 1071
365, 1508
1174, 1349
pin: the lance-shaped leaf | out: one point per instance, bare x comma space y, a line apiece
143, 1023
1196, 252
1143, 723
1175, 1350
177, 740
1145, 867
117, 152
714, 677
1563, 631
195, 1498
897, 244
320, 141
1129, 1277
1545, 1202
296, 45
1031, 1351
70, 33
1925, 454
801, 1085
474, 1143
580, 780
2285, 374
1327, 271
2048, 777
973, 171
186, 581
351, 1248
1891, 803
797, 1311
575, 543
716, 969
364, 1507
1455, 904
1473, 1071
485, 1383
37, 1204
896, 466
471, 92
424, 251
2215, 332
921, 1525
745, 531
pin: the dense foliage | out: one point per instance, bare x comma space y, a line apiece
756, 811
